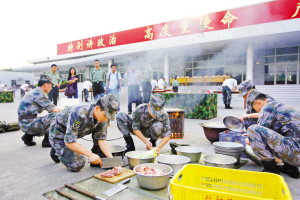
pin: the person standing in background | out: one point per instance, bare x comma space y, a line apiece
72, 81
161, 83
53, 94
114, 83
97, 78
147, 77
165, 84
154, 84
175, 84
227, 87
23, 89
134, 81
87, 85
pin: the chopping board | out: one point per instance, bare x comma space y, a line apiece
126, 173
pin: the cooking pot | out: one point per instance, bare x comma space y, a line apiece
212, 130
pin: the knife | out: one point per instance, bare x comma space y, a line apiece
111, 162
59, 191
85, 192
116, 189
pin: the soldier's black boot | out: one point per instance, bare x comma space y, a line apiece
129, 144
53, 156
46, 142
228, 106
270, 166
28, 140
153, 142
96, 150
292, 171
86, 100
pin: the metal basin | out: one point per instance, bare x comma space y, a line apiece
212, 130
236, 155
218, 160
154, 182
174, 161
193, 153
137, 161
117, 150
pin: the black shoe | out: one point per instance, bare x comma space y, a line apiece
53, 156
129, 144
46, 142
270, 166
228, 106
290, 170
28, 140
86, 100
153, 142
129, 113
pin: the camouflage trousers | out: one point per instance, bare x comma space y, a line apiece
85, 94
250, 121
124, 123
268, 144
38, 126
72, 160
226, 94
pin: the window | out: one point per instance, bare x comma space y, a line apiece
13, 83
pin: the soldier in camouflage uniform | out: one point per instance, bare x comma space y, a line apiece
149, 120
35, 102
76, 122
277, 134
245, 88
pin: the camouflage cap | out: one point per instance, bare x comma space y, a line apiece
47, 79
252, 96
110, 105
244, 87
156, 105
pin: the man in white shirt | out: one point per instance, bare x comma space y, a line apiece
154, 84
87, 85
23, 89
2, 86
161, 83
227, 86
114, 83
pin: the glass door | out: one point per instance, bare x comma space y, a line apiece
280, 74
291, 74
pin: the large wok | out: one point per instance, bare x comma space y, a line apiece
212, 130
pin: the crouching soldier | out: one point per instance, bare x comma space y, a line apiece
76, 122
251, 116
277, 134
149, 120
35, 102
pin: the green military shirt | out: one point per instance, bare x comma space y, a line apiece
165, 84
97, 75
175, 83
148, 74
55, 78
142, 120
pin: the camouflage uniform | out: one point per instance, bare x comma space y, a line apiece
243, 88
277, 133
72, 123
76, 122
36, 101
150, 127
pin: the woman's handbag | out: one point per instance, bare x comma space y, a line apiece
70, 91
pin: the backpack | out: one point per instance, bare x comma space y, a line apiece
118, 86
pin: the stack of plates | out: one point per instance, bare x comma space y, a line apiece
229, 148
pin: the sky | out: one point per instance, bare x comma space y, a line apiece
31, 29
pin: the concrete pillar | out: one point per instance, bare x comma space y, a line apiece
110, 62
167, 68
249, 62
87, 72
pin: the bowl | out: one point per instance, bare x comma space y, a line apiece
212, 130
236, 155
219, 160
176, 162
117, 150
137, 161
153, 182
193, 153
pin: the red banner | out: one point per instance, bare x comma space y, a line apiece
239, 17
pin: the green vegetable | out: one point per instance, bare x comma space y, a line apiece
149, 154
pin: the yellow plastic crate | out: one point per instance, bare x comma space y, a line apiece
197, 182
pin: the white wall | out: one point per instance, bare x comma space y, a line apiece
7, 76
